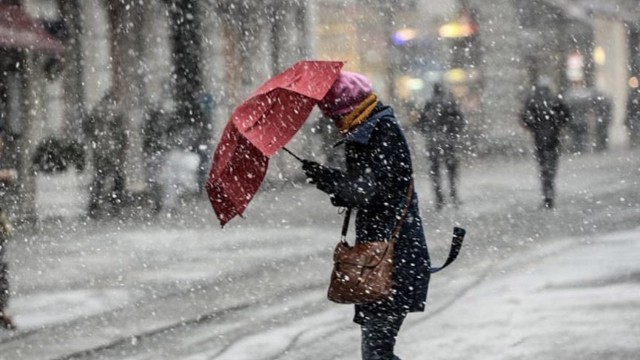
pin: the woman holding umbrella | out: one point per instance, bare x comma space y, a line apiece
375, 183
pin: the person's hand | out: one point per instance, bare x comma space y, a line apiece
322, 176
312, 170
337, 202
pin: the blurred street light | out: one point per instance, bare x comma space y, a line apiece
456, 29
599, 55
403, 36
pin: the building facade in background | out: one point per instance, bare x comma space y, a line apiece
29, 55
490, 54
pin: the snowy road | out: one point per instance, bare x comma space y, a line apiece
529, 283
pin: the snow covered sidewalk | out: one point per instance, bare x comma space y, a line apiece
529, 284
574, 299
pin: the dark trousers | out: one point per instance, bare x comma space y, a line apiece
379, 332
548, 163
443, 156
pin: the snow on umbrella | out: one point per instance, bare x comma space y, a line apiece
236, 174
259, 127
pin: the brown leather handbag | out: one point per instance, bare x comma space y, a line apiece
363, 273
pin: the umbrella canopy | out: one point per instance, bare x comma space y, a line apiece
261, 126
273, 114
236, 174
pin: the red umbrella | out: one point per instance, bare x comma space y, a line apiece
261, 126
236, 174
272, 115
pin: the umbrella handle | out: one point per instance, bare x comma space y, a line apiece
292, 154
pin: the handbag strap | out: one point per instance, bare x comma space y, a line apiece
397, 227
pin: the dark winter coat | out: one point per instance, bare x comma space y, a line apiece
154, 131
378, 173
545, 115
104, 128
441, 120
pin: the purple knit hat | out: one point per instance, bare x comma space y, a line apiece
349, 90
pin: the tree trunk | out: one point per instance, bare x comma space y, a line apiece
276, 19
73, 87
186, 43
302, 28
125, 21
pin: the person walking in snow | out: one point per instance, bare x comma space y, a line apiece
544, 116
154, 149
104, 128
375, 183
441, 121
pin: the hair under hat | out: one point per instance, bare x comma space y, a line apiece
349, 90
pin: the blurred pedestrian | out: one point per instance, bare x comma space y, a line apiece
632, 119
602, 108
376, 181
580, 100
154, 147
104, 128
441, 121
545, 115
7, 176
591, 112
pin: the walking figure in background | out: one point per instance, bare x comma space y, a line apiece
632, 120
442, 123
7, 176
545, 115
154, 147
377, 179
580, 100
591, 116
104, 128
603, 113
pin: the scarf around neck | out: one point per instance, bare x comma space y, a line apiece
359, 114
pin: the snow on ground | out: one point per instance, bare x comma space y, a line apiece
34, 311
529, 283
580, 302
569, 300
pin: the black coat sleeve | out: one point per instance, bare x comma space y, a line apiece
386, 165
